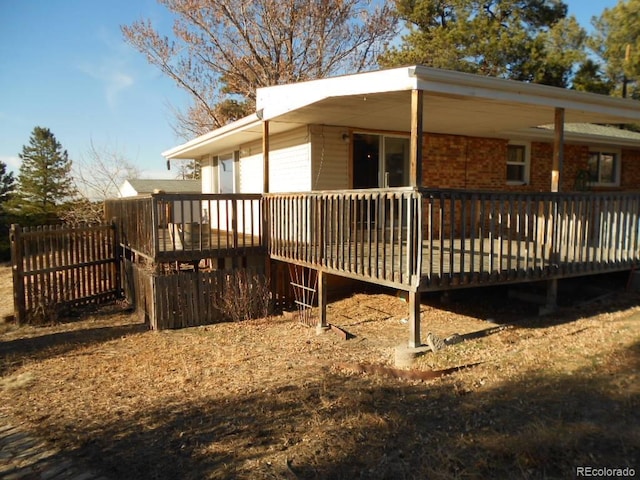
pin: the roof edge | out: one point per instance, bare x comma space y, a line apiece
181, 151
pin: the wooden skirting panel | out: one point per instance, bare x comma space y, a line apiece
192, 298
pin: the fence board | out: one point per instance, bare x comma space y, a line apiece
58, 266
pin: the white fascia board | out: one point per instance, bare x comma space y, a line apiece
278, 100
183, 151
499, 89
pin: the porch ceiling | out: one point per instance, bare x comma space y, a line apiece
443, 113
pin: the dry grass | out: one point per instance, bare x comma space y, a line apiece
261, 399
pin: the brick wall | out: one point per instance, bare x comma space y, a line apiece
453, 161
630, 174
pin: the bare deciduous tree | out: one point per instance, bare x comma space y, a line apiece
220, 51
100, 173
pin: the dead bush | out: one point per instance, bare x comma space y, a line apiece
245, 295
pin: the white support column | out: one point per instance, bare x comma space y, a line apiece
265, 156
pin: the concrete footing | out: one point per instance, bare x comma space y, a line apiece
405, 356
320, 329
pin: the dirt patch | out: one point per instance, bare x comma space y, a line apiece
263, 399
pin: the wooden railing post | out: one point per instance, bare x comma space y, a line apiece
17, 267
234, 221
154, 226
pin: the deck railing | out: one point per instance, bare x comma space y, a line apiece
360, 233
407, 238
489, 237
186, 227
438, 239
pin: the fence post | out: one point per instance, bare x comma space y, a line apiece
17, 267
117, 259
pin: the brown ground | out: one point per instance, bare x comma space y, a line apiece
262, 399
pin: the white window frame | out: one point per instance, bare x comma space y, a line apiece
617, 166
527, 162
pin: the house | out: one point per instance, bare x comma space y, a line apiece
479, 133
145, 186
424, 179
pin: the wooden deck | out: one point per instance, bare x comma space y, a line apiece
453, 265
175, 243
412, 239
436, 240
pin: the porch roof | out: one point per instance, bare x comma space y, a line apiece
454, 103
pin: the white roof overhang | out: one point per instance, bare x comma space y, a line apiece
454, 103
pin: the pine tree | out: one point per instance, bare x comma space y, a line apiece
616, 40
44, 180
526, 40
7, 185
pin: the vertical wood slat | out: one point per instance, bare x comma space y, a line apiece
359, 232
56, 265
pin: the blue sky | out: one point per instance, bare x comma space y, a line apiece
64, 66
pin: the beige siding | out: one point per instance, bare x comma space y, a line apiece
330, 158
289, 163
250, 170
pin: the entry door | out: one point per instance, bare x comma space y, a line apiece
380, 161
396, 162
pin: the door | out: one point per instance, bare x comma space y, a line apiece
380, 161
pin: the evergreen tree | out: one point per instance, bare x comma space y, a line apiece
7, 185
616, 41
590, 78
44, 180
527, 40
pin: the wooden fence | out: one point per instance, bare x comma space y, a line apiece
58, 266
192, 298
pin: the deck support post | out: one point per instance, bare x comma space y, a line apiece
551, 299
265, 156
414, 319
323, 325
415, 150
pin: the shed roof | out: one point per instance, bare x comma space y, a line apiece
148, 185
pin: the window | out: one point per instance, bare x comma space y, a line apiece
603, 168
517, 164
226, 174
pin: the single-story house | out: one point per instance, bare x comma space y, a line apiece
477, 132
425, 179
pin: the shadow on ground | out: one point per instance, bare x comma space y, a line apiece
336, 426
577, 297
15, 352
